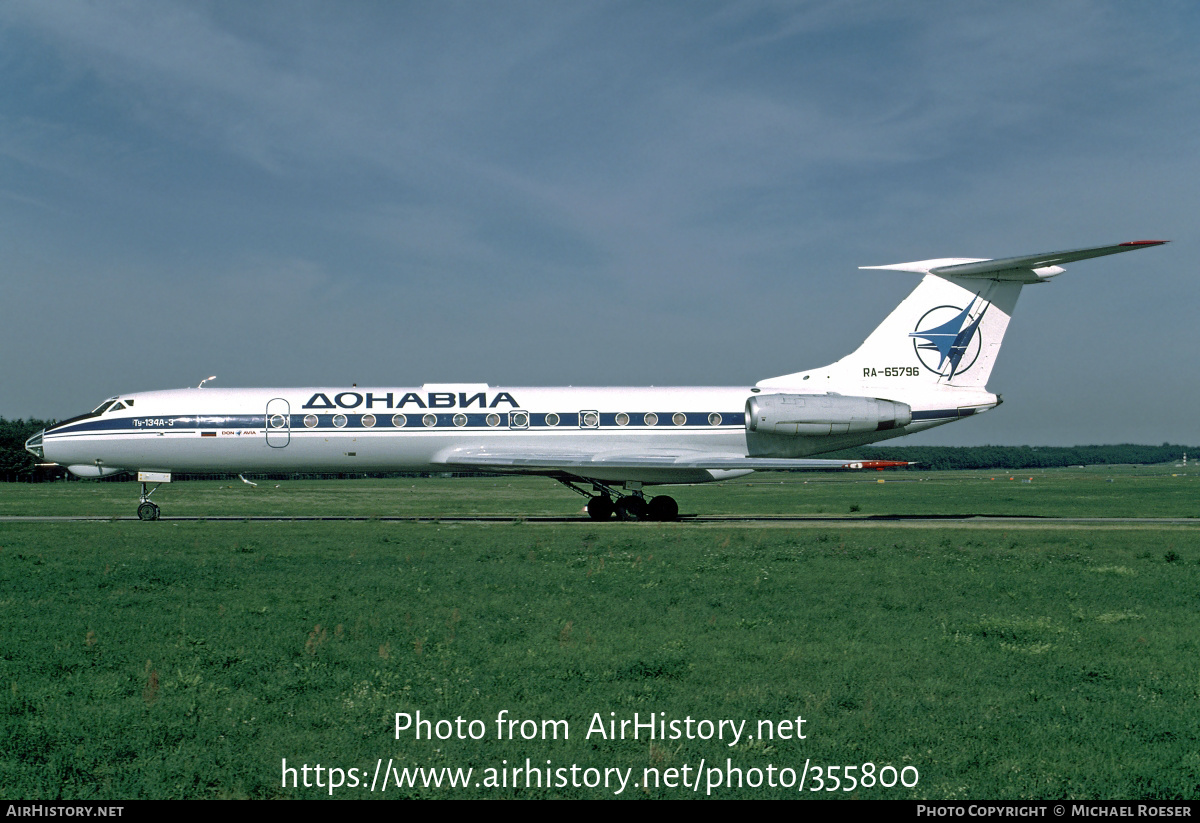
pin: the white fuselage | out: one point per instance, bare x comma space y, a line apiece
396, 429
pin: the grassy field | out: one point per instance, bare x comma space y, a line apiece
188, 659
1115, 491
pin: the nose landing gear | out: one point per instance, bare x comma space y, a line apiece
147, 510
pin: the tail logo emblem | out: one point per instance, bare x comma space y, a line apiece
945, 338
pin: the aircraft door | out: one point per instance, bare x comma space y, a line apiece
278, 423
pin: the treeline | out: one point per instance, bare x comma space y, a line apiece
16, 464
1021, 457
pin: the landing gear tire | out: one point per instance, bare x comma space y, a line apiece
632, 508
663, 508
600, 507
148, 511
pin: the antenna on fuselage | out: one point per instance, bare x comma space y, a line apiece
205, 380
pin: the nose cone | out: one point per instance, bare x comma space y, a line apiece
34, 445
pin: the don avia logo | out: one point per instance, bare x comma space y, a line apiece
945, 338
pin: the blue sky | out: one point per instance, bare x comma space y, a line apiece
592, 193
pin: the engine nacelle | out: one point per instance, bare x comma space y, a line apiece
818, 415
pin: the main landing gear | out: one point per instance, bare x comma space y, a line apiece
628, 507
147, 510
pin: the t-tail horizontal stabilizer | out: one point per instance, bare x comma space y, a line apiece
1030, 268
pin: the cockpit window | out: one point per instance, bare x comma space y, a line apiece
129, 403
103, 407
116, 406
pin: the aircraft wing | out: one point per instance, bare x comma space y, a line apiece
488, 459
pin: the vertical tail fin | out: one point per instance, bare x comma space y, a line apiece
948, 331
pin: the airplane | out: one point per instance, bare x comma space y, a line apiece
925, 365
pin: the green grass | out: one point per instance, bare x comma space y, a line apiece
187, 659
1143, 491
